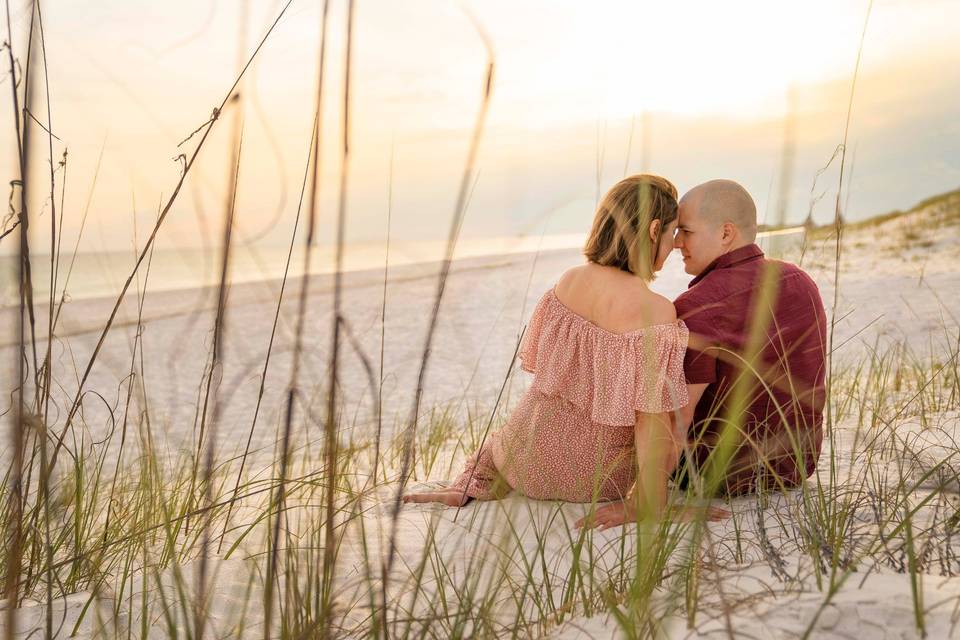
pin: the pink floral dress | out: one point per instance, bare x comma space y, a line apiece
571, 435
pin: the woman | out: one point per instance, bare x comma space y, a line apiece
607, 357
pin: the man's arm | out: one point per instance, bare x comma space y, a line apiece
685, 413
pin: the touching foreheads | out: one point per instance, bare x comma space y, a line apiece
719, 201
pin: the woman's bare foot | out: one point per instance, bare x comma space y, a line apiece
620, 512
451, 498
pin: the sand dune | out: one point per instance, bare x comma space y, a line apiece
762, 573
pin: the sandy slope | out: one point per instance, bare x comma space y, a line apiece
898, 281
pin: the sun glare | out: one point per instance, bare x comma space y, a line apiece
695, 58
702, 58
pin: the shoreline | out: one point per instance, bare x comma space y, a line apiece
203, 298
266, 265
544, 246
470, 249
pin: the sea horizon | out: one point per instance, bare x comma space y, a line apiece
102, 273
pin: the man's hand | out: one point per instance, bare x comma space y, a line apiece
619, 513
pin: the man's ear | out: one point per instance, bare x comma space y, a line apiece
729, 233
654, 230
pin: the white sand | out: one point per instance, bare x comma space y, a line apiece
908, 295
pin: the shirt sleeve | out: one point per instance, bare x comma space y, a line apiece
700, 361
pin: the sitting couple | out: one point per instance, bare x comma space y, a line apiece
721, 391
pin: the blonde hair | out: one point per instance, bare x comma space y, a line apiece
619, 237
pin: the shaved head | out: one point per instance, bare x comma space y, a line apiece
720, 201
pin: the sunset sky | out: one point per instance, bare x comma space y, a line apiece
705, 87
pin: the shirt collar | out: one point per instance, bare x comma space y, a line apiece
737, 256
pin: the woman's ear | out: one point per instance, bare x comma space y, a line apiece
654, 231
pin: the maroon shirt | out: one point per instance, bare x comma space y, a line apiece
785, 395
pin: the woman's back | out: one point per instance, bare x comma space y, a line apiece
610, 349
614, 300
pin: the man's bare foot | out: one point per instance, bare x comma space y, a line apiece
451, 498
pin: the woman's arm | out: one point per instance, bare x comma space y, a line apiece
659, 438
694, 392
658, 452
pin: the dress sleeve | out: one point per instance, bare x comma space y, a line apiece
607, 376
661, 385
530, 347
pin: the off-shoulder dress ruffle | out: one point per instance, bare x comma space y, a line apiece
571, 435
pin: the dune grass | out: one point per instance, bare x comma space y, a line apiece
521, 570
315, 544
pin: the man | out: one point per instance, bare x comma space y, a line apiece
755, 366
755, 363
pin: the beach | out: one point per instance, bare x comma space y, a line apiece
758, 574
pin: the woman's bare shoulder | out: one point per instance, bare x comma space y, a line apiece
644, 307
613, 299
660, 309
570, 279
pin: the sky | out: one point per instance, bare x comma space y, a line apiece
583, 94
